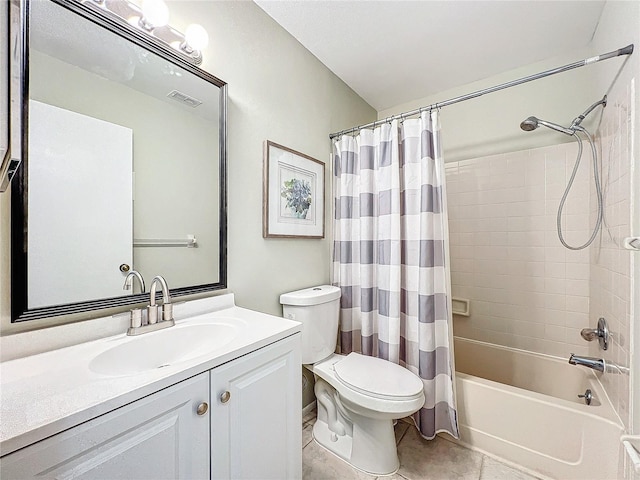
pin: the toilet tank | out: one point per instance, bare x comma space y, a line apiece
317, 308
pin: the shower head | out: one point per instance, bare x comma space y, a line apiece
529, 124
532, 123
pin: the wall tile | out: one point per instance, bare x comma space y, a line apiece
579, 304
527, 291
504, 230
610, 264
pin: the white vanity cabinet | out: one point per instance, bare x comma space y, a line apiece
256, 413
161, 436
239, 420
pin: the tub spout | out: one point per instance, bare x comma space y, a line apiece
591, 362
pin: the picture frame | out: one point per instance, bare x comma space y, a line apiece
293, 194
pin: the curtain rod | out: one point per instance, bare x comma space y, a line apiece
628, 50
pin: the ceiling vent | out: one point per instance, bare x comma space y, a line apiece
184, 98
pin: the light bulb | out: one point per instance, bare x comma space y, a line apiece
133, 20
196, 36
155, 12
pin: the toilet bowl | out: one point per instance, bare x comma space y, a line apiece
358, 396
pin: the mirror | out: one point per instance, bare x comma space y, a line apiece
4, 98
123, 166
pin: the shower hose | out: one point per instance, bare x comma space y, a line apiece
596, 179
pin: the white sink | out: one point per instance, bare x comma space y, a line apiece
163, 348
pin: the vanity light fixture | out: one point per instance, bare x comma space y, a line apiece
152, 17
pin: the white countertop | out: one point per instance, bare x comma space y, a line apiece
44, 394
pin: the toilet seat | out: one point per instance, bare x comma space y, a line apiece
377, 378
364, 402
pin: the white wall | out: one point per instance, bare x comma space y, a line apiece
277, 91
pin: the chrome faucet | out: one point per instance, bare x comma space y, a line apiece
167, 307
591, 362
136, 319
128, 281
156, 318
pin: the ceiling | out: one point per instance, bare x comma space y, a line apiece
392, 52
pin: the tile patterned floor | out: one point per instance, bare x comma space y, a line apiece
420, 459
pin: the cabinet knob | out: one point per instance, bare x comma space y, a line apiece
202, 408
225, 397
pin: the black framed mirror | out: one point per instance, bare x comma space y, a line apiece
5, 132
123, 168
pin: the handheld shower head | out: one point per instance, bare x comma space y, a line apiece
529, 124
532, 123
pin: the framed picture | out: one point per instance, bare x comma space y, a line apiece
293, 194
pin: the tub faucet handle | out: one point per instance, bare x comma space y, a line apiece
601, 333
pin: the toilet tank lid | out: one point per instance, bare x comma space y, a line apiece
311, 296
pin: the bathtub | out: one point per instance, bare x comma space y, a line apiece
524, 408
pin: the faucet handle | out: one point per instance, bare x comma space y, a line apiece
152, 314
167, 311
135, 317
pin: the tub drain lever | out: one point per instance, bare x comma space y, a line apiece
588, 396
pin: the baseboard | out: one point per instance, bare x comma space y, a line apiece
308, 409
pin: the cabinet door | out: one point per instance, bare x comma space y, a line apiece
160, 436
256, 429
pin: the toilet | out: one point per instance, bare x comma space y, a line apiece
359, 397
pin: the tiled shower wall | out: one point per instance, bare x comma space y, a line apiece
526, 290
611, 264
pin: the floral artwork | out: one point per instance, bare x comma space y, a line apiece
297, 194
293, 194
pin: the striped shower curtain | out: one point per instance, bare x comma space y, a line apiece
390, 257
